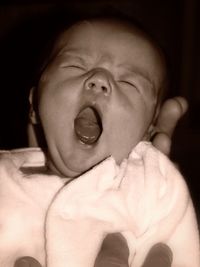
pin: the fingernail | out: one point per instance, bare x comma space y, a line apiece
22, 262
114, 252
159, 255
27, 262
165, 251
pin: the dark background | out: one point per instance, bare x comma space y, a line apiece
25, 27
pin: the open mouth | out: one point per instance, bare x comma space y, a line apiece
88, 125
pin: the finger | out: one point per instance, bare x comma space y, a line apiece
160, 255
27, 262
114, 252
171, 111
162, 142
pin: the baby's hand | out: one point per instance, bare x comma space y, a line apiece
171, 111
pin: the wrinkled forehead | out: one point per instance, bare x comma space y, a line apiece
120, 40
108, 30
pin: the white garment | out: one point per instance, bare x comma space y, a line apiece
64, 224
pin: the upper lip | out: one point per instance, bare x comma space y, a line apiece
95, 107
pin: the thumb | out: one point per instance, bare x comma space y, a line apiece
27, 262
171, 112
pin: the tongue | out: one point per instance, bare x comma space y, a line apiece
88, 126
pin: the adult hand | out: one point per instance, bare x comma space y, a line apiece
114, 253
171, 111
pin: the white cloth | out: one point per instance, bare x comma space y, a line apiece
63, 224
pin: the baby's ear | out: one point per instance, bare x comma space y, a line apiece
33, 118
152, 127
150, 133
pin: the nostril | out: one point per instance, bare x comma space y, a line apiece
97, 87
91, 85
104, 89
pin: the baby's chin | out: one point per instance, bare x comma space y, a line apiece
82, 160
68, 172
79, 159
73, 158
65, 172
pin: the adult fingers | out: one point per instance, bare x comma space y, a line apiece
114, 252
162, 142
171, 111
160, 255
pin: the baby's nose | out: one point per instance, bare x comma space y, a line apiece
99, 83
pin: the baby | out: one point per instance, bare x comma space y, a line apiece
98, 96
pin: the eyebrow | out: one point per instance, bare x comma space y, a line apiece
76, 52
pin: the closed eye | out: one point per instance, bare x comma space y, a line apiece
129, 84
74, 67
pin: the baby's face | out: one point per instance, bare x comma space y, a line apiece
98, 95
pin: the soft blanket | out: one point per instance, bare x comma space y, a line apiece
62, 222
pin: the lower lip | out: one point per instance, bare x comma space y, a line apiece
86, 146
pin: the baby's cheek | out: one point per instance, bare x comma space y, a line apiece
124, 138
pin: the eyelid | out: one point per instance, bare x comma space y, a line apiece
75, 62
72, 66
130, 83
